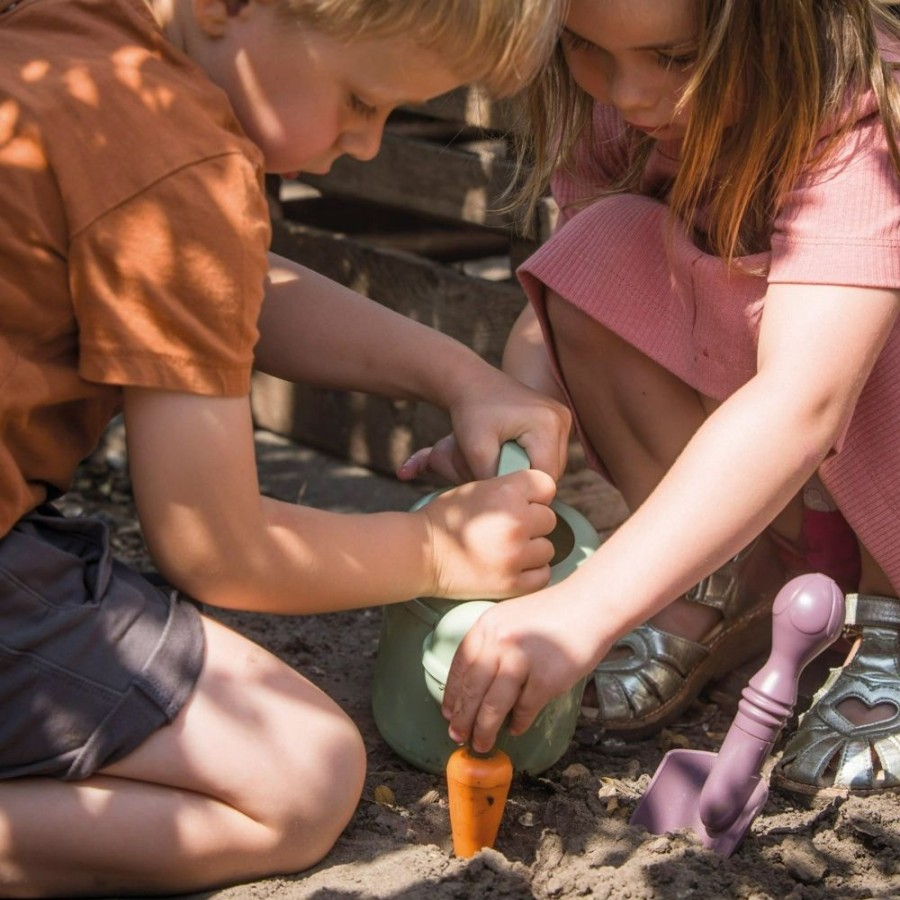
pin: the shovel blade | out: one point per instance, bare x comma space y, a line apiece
671, 801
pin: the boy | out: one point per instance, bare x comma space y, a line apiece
134, 275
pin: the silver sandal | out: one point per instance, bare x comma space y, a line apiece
663, 673
828, 754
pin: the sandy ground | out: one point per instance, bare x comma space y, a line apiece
565, 833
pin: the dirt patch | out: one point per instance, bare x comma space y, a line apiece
565, 834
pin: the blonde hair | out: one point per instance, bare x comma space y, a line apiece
499, 44
794, 69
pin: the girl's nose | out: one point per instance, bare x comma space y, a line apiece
627, 92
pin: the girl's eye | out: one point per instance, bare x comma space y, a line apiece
575, 42
678, 61
361, 107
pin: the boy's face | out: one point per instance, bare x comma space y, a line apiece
306, 99
635, 55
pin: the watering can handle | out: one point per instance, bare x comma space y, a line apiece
513, 458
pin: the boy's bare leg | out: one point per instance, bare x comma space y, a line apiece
258, 774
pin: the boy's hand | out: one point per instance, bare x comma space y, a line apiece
444, 459
499, 410
487, 538
515, 659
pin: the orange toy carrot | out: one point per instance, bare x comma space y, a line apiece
477, 785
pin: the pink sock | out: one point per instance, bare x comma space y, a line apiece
827, 544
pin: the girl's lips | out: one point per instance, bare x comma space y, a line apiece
647, 129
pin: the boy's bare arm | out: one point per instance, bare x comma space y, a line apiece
316, 331
211, 533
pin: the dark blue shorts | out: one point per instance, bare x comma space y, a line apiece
93, 657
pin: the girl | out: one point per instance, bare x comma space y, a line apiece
145, 748
718, 308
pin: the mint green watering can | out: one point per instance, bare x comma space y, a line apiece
417, 644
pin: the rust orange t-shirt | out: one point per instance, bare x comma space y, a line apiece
134, 239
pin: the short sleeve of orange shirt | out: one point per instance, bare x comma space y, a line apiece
166, 291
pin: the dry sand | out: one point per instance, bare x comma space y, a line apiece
565, 834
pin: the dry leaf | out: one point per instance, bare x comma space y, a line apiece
428, 797
384, 795
617, 787
669, 739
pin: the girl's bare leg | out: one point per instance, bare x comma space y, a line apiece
258, 774
638, 417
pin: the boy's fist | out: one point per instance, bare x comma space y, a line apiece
488, 538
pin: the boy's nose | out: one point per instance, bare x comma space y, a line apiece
363, 143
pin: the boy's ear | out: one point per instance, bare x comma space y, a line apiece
213, 15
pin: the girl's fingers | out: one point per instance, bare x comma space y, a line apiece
542, 519
471, 672
501, 695
482, 688
529, 703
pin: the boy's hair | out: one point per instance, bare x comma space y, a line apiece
791, 69
498, 44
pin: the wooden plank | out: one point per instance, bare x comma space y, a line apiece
460, 183
367, 430
471, 106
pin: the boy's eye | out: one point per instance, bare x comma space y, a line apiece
361, 107
575, 42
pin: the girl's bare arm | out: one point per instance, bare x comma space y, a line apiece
817, 347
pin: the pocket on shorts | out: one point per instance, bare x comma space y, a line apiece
93, 658
51, 560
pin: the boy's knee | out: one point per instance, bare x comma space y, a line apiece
325, 793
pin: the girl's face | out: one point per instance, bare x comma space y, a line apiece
635, 55
306, 99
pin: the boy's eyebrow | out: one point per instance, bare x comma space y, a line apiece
575, 34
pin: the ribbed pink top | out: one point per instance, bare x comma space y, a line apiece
618, 260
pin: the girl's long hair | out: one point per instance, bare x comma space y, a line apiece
771, 77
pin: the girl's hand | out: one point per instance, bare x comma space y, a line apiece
515, 659
488, 538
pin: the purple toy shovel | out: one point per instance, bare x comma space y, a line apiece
719, 794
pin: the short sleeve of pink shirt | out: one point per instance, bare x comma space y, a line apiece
841, 222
